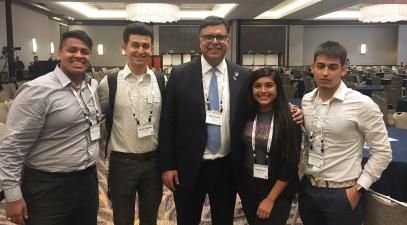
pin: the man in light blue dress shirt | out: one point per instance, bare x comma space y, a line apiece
47, 158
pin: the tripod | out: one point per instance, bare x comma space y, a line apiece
5, 58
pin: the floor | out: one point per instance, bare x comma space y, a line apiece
167, 215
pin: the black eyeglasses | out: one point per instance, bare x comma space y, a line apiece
211, 37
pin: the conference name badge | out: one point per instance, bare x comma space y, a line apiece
260, 171
95, 132
214, 117
315, 159
145, 130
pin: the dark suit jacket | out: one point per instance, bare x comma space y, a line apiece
183, 131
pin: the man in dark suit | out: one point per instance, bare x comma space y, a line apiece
204, 112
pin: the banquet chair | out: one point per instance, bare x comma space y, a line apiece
3, 112
383, 210
400, 120
289, 91
2, 130
394, 95
309, 84
376, 80
380, 98
4, 95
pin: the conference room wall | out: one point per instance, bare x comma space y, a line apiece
28, 24
402, 44
381, 42
111, 37
296, 45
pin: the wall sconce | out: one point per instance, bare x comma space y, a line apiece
35, 47
51, 48
363, 49
100, 49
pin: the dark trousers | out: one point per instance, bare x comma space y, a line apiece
128, 177
215, 179
252, 191
61, 198
328, 206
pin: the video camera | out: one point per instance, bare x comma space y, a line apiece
6, 49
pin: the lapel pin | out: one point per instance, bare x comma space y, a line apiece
235, 75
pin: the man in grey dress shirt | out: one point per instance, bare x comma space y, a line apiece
47, 158
134, 115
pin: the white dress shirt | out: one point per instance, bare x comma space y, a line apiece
350, 119
223, 89
124, 137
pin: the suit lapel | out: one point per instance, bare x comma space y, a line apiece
197, 85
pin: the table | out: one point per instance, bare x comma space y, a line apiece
393, 181
383, 81
402, 106
368, 89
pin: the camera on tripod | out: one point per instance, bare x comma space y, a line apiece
5, 50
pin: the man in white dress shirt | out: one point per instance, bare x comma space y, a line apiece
338, 121
133, 113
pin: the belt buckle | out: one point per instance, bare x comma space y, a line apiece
319, 182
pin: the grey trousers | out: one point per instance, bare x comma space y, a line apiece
128, 177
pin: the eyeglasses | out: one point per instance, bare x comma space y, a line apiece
211, 37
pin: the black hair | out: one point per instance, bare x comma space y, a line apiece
213, 21
331, 49
139, 29
284, 127
78, 34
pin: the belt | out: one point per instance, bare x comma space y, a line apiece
62, 174
134, 156
317, 182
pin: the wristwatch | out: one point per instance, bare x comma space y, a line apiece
360, 188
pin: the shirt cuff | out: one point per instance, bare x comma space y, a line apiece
364, 181
13, 194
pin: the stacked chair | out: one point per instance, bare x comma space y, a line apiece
383, 210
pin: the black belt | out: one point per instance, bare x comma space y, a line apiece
134, 156
59, 174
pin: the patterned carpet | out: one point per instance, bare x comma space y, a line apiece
166, 215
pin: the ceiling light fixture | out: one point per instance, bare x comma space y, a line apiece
221, 10
93, 12
152, 12
383, 13
285, 8
340, 15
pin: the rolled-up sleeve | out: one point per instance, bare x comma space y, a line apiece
24, 123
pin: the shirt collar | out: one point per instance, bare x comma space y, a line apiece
222, 67
339, 93
127, 72
64, 79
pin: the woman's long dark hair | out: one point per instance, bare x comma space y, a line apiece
284, 127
